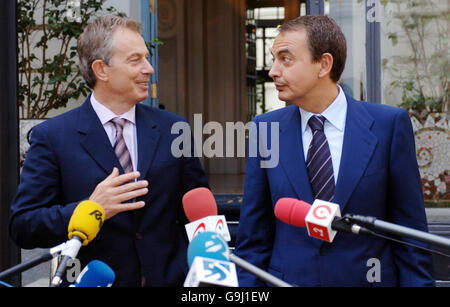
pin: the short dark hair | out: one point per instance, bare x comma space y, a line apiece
324, 36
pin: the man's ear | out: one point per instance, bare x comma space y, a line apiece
326, 65
100, 70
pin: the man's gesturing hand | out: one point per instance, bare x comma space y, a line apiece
115, 189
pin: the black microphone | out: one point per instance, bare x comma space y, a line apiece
53, 252
380, 225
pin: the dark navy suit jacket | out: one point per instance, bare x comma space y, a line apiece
378, 177
69, 155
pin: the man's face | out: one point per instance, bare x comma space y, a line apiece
294, 73
129, 70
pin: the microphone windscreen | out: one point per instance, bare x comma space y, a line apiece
199, 203
208, 245
96, 274
292, 211
86, 221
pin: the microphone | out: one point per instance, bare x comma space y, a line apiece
322, 219
95, 274
379, 225
201, 210
199, 202
292, 211
53, 252
208, 259
210, 245
84, 225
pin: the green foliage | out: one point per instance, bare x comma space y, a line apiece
153, 45
48, 71
422, 72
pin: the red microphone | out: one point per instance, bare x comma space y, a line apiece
199, 203
292, 211
201, 210
322, 219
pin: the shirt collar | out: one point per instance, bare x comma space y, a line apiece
336, 112
106, 115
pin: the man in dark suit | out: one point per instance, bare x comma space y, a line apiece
116, 152
359, 155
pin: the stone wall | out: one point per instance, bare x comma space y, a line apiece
432, 136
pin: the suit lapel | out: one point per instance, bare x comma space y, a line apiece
358, 147
291, 154
148, 135
94, 139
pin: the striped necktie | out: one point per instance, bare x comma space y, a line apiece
319, 163
120, 148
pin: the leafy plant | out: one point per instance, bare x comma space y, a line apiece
48, 73
422, 72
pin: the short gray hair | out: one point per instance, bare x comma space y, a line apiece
96, 42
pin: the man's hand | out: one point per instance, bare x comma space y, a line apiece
115, 189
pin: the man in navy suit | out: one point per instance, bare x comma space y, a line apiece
373, 172
72, 158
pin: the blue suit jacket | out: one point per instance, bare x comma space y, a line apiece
69, 155
378, 177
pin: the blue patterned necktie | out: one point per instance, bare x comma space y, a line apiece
319, 163
120, 148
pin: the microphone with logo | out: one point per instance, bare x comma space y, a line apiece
84, 225
208, 259
95, 274
199, 202
201, 210
322, 219
208, 254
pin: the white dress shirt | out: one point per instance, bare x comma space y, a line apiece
129, 130
334, 128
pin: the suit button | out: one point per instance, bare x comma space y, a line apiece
138, 236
